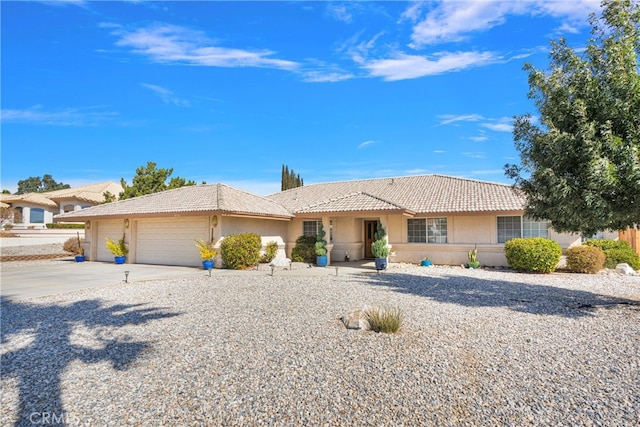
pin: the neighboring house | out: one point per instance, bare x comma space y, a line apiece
431, 215
38, 209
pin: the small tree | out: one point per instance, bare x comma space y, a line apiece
289, 179
36, 184
149, 180
321, 243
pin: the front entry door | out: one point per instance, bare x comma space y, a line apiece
369, 233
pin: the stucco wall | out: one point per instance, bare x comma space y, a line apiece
268, 230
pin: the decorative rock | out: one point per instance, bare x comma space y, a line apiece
281, 262
356, 319
624, 268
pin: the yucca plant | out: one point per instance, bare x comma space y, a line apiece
385, 319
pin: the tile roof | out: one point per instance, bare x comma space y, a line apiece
355, 202
190, 199
93, 193
419, 194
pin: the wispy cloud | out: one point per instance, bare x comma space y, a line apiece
474, 155
66, 117
439, 151
504, 124
167, 96
479, 138
165, 43
446, 119
366, 144
403, 66
339, 12
453, 21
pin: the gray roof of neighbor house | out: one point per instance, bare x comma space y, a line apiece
194, 199
413, 194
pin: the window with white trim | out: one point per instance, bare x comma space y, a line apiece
511, 227
427, 230
310, 228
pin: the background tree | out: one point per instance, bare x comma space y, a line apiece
290, 179
148, 180
36, 184
580, 165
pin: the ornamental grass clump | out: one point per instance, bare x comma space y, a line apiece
385, 319
585, 259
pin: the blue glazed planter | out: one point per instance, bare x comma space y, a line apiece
425, 262
381, 264
79, 258
120, 259
322, 260
208, 263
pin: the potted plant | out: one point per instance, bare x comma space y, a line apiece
207, 253
79, 250
118, 249
425, 262
321, 248
380, 248
473, 258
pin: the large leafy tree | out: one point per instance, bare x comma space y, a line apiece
148, 180
580, 164
36, 184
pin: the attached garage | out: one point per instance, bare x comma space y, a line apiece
169, 241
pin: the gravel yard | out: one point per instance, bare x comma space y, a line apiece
478, 347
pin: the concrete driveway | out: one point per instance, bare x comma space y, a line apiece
42, 279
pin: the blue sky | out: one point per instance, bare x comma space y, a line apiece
230, 91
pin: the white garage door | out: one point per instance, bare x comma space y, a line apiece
170, 241
111, 229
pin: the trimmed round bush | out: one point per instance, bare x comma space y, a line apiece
585, 259
533, 254
305, 249
616, 252
241, 250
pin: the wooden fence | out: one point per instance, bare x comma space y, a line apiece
631, 235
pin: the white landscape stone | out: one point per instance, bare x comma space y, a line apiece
624, 268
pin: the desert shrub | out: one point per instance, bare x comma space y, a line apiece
73, 245
62, 225
616, 252
533, 254
585, 259
270, 251
384, 319
304, 250
241, 250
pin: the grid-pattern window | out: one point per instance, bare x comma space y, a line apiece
427, 230
509, 227
533, 228
310, 228
416, 230
436, 230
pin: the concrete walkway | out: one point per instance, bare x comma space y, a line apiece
43, 279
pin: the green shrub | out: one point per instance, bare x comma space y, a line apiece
585, 259
241, 250
384, 319
616, 252
270, 252
533, 254
64, 225
304, 250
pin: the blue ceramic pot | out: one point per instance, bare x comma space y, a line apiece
120, 259
425, 262
322, 260
381, 264
79, 258
208, 263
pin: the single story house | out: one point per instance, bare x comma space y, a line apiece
435, 216
34, 210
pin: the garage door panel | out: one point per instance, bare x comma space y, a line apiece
111, 229
170, 241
